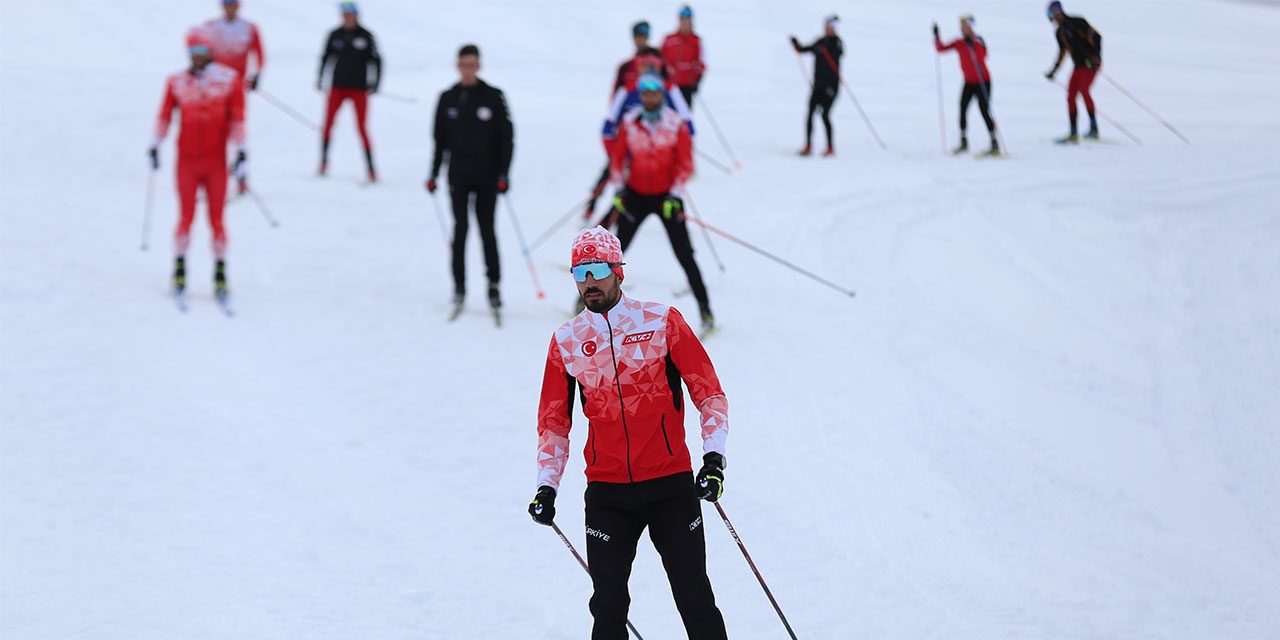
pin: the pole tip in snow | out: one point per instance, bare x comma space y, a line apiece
542, 295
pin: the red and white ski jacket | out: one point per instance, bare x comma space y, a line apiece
627, 366
231, 42
970, 51
660, 153
682, 53
212, 104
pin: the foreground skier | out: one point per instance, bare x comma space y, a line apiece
627, 359
210, 99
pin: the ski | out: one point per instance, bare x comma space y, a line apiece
988, 155
707, 333
497, 316
224, 303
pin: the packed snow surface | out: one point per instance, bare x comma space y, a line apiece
1050, 412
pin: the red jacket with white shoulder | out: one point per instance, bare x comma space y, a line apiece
626, 366
660, 153
211, 101
682, 53
231, 43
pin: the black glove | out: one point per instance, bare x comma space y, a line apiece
543, 507
235, 166
710, 481
503, 185
373, 89
1049, 74
253, 82
795, 43
155, 158
935, 30
319, 84
431, 185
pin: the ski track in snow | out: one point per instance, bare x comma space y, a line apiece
1049, 412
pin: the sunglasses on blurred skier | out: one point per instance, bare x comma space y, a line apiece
598, 270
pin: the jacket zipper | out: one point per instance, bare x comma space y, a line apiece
617, 381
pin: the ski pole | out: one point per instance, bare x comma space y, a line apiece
528, 257
942, 113
1104, 116
565, 540
444, 228
713, 162
1148, 109
262, 206
849, 292
694, 211
397, 97
986, 95
804, 72
736, 165
577, 206
287, 109
146, 211
853, 97
754, 570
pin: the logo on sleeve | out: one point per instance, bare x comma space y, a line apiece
484, 114
589, 348
637, 337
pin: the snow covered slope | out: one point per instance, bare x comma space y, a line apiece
1050, 412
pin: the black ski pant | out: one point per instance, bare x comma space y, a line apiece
823, 96
637, 208
688, 93
982, 92
486, 202
617, 513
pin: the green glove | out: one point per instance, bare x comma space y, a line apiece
671, 205
618, 203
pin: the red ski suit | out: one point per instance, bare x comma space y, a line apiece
627, 365
682, 53
661, 153
231, 42
211, 101
968, 53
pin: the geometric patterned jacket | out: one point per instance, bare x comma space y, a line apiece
625, 366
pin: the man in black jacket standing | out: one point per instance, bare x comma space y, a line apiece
1075, 36
826, 80
473, 126
357, 69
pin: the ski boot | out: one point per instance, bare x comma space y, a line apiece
456, 303
495, 303
1071, 138
324, 168
964, 146
220, 281
1092, 135
708, 323
179, 275
806, 151
831, 151
368, 161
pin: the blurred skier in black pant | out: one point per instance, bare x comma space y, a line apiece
826, 80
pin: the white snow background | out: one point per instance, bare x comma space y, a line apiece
1051, 411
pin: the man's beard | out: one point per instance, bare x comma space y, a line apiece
602, 304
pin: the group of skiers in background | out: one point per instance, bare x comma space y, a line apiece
638, 468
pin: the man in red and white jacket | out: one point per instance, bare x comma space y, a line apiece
682, 52
626, 359
210, 97
653, 153
232, 40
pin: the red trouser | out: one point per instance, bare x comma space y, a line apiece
361, 99
1081, 80
209, 171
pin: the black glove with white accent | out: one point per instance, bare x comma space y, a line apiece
710, 480
543, 507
